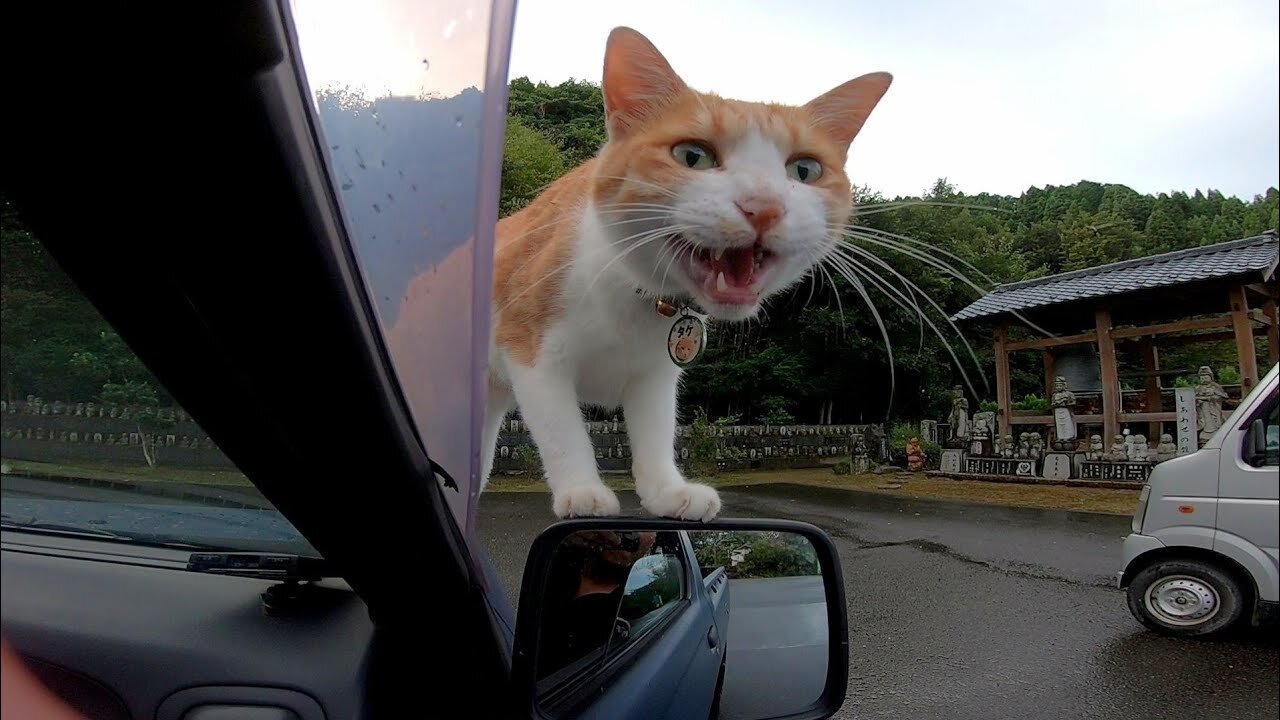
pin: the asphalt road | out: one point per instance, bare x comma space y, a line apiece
963, 611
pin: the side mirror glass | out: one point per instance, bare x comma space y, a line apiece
641, 618
1256, 443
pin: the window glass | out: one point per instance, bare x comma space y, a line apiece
409, 99
92, 442
1271, 418
655, 585
605, 590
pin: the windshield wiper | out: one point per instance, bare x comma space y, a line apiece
59, 528
45, 527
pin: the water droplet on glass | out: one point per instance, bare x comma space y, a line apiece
348, 185
384, 163
426, 64
457, 120
376, 208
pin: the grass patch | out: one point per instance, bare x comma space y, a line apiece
126, 473
1051, 497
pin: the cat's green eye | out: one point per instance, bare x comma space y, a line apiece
693, 155
806, 170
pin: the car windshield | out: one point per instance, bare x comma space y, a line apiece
93, 445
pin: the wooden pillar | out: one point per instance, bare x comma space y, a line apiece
1003, 413
1244, 340
1049, 372
1110, 376
1151, 364
1269, 309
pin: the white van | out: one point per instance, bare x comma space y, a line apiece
1204, 555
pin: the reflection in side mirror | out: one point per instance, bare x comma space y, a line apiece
645, 618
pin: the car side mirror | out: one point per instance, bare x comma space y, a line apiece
1255, 443
649, 618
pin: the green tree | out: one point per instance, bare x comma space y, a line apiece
143, 405
530, 162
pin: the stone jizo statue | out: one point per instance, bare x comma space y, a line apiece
1119, 450
958, 419
1209, 398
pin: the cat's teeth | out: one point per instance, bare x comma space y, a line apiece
721, 285
719, 253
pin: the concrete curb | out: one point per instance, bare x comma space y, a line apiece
1024, 480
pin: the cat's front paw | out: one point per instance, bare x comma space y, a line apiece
589, 500
685, 501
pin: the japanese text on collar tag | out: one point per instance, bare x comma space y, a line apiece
687, 340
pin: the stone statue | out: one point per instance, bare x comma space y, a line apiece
915, 455
1007, 447
1209, 397
959, 418
1139, 451
1064, 421
1166, 450
1037, 446
1096, 449
1024, 446
1119, 450
980, 438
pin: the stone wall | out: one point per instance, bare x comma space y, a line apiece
87, 432
740, 446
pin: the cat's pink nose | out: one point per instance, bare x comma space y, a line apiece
762, 212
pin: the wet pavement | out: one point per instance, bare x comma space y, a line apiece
965, 611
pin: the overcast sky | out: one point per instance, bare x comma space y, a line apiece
996, 95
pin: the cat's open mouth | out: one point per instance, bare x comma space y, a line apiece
731, 276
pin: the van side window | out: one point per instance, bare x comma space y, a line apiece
1271, 417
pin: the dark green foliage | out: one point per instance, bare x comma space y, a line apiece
816, 355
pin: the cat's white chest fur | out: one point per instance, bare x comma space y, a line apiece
607, 334
607, 346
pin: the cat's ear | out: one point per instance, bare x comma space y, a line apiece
638, 81
841, 111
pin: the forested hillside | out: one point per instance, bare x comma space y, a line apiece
803, 360
818, 354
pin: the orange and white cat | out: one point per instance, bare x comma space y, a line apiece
702, 201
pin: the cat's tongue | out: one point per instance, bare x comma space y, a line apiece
731, 276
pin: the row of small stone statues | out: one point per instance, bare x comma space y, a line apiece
616, 426
1125, 448
37, 406
124, 438
1209, 394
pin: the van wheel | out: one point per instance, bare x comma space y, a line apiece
1186, 598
